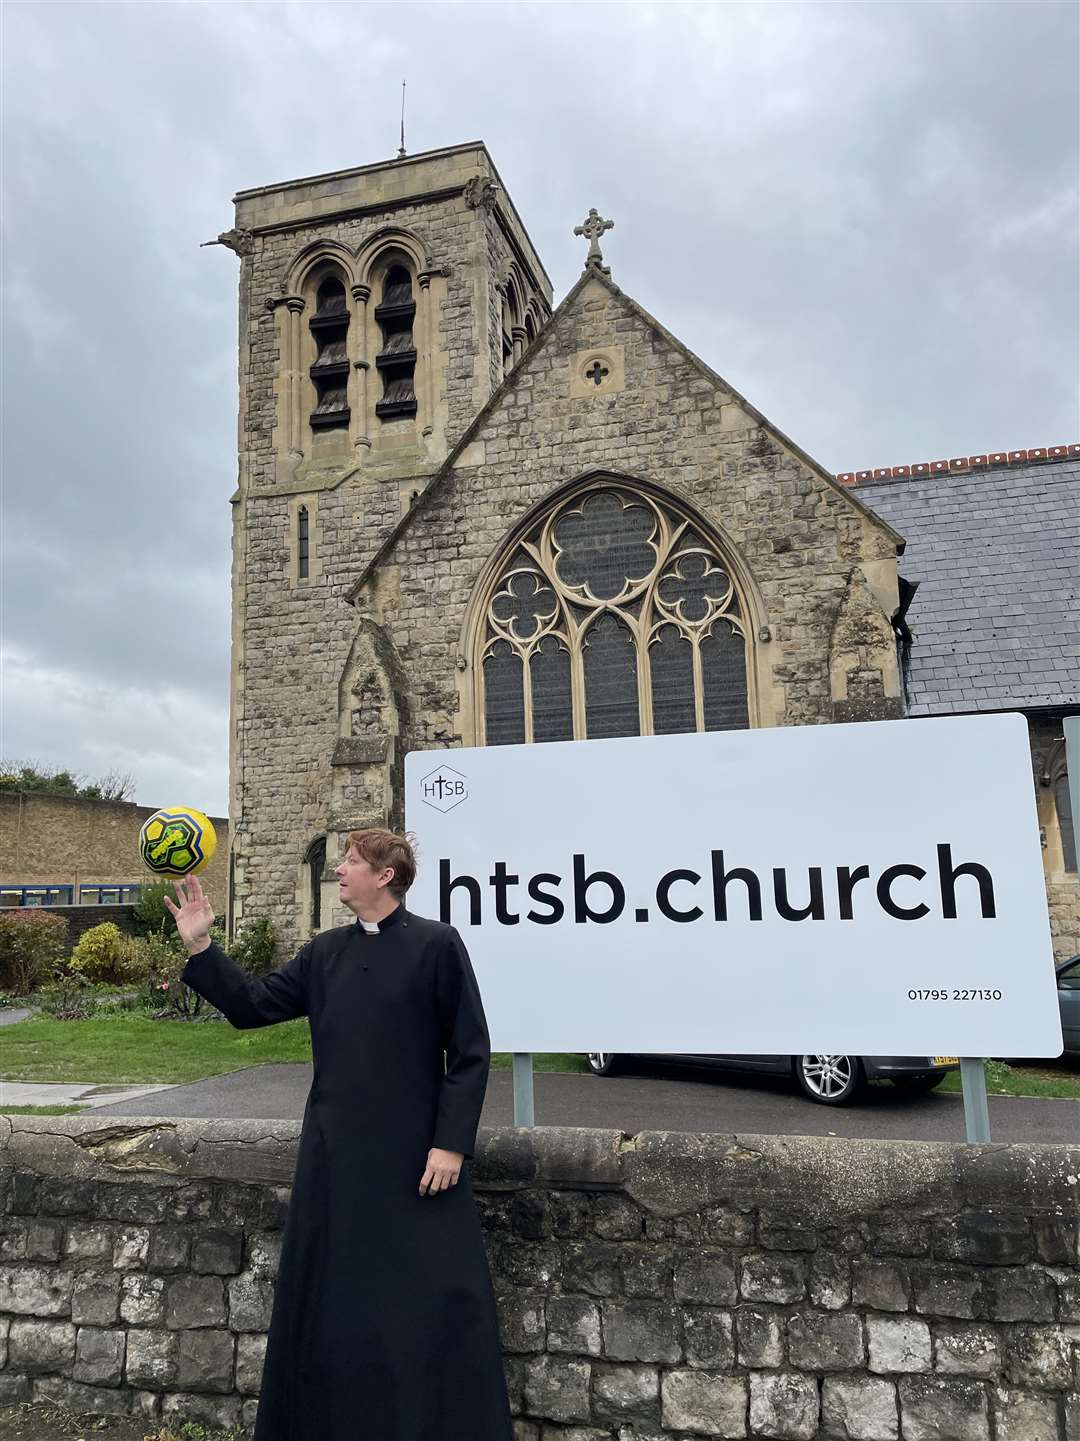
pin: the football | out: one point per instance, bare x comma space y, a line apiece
177, 842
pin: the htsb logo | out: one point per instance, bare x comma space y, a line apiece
444, 789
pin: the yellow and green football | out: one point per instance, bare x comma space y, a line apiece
177, 842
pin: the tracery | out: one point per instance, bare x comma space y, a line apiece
614, 615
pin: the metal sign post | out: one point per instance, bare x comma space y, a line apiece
976, 1107
524, 1108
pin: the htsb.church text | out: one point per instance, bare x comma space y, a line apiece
949, 889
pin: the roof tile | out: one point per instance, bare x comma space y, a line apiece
996, 620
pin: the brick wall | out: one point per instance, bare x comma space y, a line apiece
80, 919
663, 1285
64, 840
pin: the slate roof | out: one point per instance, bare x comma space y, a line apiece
996, 621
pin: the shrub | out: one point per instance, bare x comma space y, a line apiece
103, 954
31, 945
149, 910
68, 997
253, 947
168, 996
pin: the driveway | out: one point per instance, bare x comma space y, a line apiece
652, 1098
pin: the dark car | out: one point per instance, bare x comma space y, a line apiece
1068, 989
829, 1080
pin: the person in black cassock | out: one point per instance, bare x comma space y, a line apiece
384, 1325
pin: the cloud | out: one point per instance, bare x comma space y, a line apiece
170, 738
863, 216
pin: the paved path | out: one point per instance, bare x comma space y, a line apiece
9, 1015
654, 1099
85, 1093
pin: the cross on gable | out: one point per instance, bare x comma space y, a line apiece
592, 228
596, 372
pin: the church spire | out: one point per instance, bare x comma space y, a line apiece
592, 228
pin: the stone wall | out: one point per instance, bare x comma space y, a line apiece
664, 1285
1062, 886
68, 841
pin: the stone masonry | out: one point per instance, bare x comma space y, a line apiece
448, 217
328, 697
656, 1286
339, 672
1062, 887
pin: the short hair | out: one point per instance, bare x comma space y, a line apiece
385, 848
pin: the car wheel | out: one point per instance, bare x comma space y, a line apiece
602, 1063
830, 1080
917, 1083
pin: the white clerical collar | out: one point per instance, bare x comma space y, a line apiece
372, 928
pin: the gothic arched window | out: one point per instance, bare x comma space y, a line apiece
315, 861
613, 616
303, 542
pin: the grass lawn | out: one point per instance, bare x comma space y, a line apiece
135, 1049
41, 1421
542, 1061
1034, 1080
42, 1110
131, 1048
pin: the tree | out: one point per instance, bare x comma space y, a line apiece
35, 778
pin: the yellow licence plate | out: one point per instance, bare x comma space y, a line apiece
945, 1060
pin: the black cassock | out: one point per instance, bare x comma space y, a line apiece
384, 1325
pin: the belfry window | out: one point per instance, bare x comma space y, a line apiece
509, 320
330, 372
396, 360
614, 616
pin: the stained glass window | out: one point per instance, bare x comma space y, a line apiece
613, 616
611, 698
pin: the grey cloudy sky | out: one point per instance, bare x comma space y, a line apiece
863, 216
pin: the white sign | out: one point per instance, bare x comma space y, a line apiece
874, 889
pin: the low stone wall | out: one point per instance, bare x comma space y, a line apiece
666, 1285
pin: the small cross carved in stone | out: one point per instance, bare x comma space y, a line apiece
592, 229
596, 372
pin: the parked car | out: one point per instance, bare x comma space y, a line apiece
839, 1080
829, 1080
1068, 989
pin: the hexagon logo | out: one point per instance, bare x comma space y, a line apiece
443, 789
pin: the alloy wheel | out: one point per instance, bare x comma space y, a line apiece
830, 1079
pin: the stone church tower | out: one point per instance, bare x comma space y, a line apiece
463, 519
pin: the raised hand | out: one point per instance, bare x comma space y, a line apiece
193, 916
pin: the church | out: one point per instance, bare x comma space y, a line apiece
465, 516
